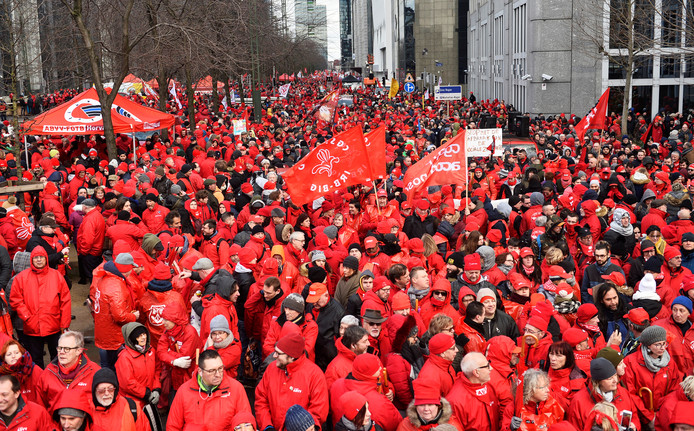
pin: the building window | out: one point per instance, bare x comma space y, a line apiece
670, 67
499, 35
310, 5
671, 31
519, 29
669, 98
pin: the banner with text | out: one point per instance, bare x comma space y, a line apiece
483, 142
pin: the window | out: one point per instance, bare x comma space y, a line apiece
671, 32
670, 67
499, 35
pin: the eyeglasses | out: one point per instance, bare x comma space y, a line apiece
103, 391
449, 329
531, 331
372, 323
66, 349
219, 370
438, 293
488, 366
661, 345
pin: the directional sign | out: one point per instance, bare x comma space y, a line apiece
409, 87
409, 78
448, 92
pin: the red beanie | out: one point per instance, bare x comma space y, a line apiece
365, 367
380, 282
425, 392
162, 272
440, 342
292, 344
574, 336
472, 262
401, 301
494, 235
352, 402
538, 322
671, 252
586, 312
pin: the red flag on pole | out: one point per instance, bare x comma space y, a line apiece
325, 110
340, 162
375, 142
445, 165
644, 137
595, 118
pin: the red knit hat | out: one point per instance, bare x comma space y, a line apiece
538, 322
440, 342
401, 301
574, 336
671, 252
352, 402
365, 367
586, 312
162, 272
473, 262
380, 282
425, 392
292, 344
494, 235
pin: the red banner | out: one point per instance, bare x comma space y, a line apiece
340, 162
325, 110
446, 165
375, 142
595, 118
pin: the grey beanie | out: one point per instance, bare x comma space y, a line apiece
330, 231
219, 323
601, 369
175, 189
536, 198
295, 302
69, 411
317, 255
653, 334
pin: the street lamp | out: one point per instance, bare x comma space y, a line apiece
424, 52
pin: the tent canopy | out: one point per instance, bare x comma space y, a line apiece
82, 116
205, 85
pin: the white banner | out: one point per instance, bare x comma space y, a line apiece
284, 90
173, 93
481, 142
239, 127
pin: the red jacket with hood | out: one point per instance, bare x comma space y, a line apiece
383, 412
341, 365
439, 372
80, 401
41, 298
56, 381
584, 401
112, 306
30, 416
591, 220
431, 306
503, 376
90, 235
137, 371
182, 340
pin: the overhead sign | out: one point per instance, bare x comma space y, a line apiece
483, 143
409, 87
448, 92
409, 78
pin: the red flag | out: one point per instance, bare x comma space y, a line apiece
325, 110
595, 118
375, 142
644, 137
443, 166
340, 162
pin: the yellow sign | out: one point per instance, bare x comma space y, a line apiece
394, 87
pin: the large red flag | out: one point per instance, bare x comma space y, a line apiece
445, 165
375, 142
595, 118
340, 162
325, 110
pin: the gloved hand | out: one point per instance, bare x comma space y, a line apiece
515, 422
182, 362
154, 397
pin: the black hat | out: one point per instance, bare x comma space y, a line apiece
351, 262
316, 274
257, 229
457, 259
688, 236
653, 264
151, 197
583, 231
630, 199
601, 369
123, 215
186, 168
373, 316
352, 246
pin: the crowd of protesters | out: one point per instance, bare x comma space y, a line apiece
554, 291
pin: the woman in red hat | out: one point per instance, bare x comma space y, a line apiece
528, 268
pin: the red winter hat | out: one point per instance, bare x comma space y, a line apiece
574, 336
671, 253
472, 262
50, 188
440, 342
416, 245
494, 235
538, 322
366, 366
425, 392
246, 188
401, 301
638, 316
380, 282
586, 312
422, 205
662, 176
292, 344
271, 267
352, 402
162, 272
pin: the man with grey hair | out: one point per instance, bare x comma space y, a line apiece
295, 251
71, 370
474, 401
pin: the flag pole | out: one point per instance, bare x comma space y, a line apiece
376, 193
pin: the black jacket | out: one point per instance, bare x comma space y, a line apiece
220, 283
38, 238
328, 322
501, 324
414, 227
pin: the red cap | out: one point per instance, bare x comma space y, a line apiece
638, 316
246, 188
526, 251
315, 291
162, 272
615, 277
370, 242
574, 336
292, 344
472, 226
401, 301
558, 271
586, 312
352, 402
423, 205
494, 235
425, 392
405, 206
382, 194
416, 245
472, 262
440, 342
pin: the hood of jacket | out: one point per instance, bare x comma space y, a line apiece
128, 330
104, 375
174, 312
488, 256
149, 241
74, 400
443, 418
38, 251
589, 208
647, 194
499, 351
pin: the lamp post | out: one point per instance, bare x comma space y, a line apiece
424, 66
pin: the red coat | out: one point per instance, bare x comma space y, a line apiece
474, 405
151, 306
439, 372
51, 203
154, 219
119, 416
371, 301
535, 354
563, 387
112, 306
216, 249
41, 299
383, 412
341, 365
190, 411
584, 401
399, 371
32, 416
217, 306
681, 348
258, 315
661, 383
231, 357
664, 416
129, 232
430, 306
309, 330
52, 384
90, 235
182, 340
654, 217
529, 217
137, 372
301, 383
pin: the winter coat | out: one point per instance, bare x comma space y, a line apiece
341, 365
565, 383
217, 306
400, 375
539, 416
260, 313
193, 409
41, 299
112, 306
127, 231
681, 346
383, 412
29, 416
53, 384
182, 340
431, 306
90, 236
439, 372
138, 372
119, 416
302, 382
664, 417
500, 324
347, 287
371, 301
328, 321
585, 399
28, 374
157, 297
476, 342
154, 219
309, 330
412, 422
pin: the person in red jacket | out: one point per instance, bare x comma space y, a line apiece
263, 307
292, 314
503, 355
213, 246
656, 215
50, 202
538, 341
17, 362
290, 379
154, 216
377, 297
473, 397
90, 238
126, 230
354, 342
19, 413
368, 379
137, 368
222, 398
222, 340
112, 410
603, 386
112, 306
177, 345
438, 301
439, 367
651, 367
71, 371
73, 411
379, 261
157, 296
683, 394
41, 298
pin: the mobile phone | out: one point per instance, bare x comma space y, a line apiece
626, 419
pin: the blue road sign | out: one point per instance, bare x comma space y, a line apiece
409, 87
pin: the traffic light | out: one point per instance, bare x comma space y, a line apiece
370, 58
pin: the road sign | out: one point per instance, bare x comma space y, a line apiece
409, 87
409, 78
448, 92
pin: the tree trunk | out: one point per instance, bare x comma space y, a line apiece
190, 94
243, 101
227, 92
215, 94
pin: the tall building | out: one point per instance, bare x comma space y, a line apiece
436, 41
20, 33
362, 32
346, 60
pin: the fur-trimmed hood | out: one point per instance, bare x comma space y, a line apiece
677, 196
446, 413
641, 176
